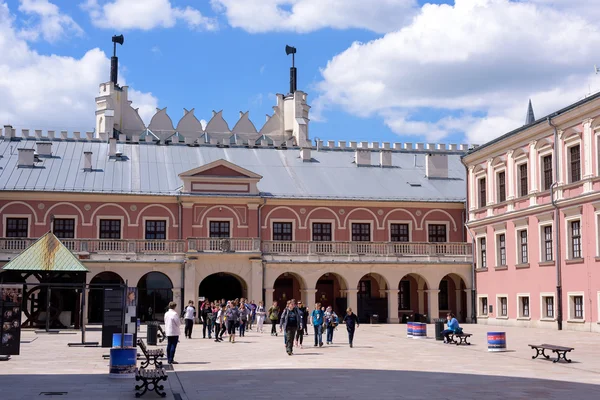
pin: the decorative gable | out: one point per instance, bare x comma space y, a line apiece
220, 177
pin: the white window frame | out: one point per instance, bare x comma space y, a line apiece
409, 223
497, 184
520, 315
6, 217
360, 221
520, 226
546, 151
478, 177
75, 217
447, 223
573, 141
499, 306
322, 221
480, 298
275, 220
543, 315
597, 222
545, 220
101, 217
487, 252
570, 215
144, 219
518, 163
230, 220
497, 248
571, 296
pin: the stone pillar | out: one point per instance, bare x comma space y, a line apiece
490, 182
472, 193
469, 293
534, 176
177, 299
433, 304
587, 146
191, 286
510, 175
308, 297
392, 300
459, 309
269, 298
352, 299
256, 284
421, 306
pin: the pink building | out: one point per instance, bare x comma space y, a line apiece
534, 213
189, 212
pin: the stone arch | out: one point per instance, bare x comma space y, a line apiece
372, 297
62, 203
330, 291
412, 217
542, 143
137, 220
423, 220
155, 291
223, 285
286, 286
285, 208
91, 221
35, 217
96, 294
452, 296
307, 218
412, 299
375, 219
205, 213
499, 160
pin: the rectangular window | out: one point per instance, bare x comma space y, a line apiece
547, 171
482, 253
523, 183
482, 193
361, 232
321, 232
503, 307
548, 307
404, 300
443, 295
575, 239
578, 307
282, 231
524, 311
523, 253
110, 229
437, 233
501, 187
502, 249
483, 306
64, 228
575, 158
17, 227
399, 232
547, 241
156, 230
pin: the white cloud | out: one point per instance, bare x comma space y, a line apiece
46, 21
476, 57
310, 15
38, 91
145, 15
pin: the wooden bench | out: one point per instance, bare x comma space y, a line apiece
150, 381
462, 338
151, 355
561, 352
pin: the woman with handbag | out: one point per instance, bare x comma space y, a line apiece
331, 322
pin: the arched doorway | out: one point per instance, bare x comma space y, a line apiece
155, 291
412, 298
452, 297
96, 294
329, 292
372, 298
286, 287
222, 286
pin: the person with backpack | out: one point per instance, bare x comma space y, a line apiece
188, 316
453, 327
331, 322
317, 318
273, 317
351, 321
290, 323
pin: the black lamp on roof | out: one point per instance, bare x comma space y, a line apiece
114, 60
293, 75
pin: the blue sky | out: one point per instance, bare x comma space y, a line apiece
418, 71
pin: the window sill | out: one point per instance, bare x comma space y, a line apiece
574, 261
576, 321
486, 317
547, 319
598, 258
546, 264
481, 269
524, 319
501, 267
522, 266
500, 317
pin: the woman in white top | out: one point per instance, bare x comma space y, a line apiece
189, 314
220, 325
261, 314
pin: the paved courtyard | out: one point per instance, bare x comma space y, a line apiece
384, 364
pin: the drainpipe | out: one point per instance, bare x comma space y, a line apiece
557, 229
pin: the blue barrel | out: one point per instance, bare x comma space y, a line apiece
496, 341
409, 329
419, 330
128, 339
123, 362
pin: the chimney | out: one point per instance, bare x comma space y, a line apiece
114, 60
112, 147
305, 154
87, 160
26, 158
436, 165
362, 156
44, 148
385, 158
9, 132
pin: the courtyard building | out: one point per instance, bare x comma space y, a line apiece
534, 215
187, 212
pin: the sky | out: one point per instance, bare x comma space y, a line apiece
458, 71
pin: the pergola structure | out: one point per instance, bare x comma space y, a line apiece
60, 279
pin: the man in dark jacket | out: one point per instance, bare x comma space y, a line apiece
351, 321
291, 322
302, 308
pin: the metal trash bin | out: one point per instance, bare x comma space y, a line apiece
374, 319
439, 328
151, 333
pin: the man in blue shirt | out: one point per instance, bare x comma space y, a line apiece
452, 327
318, 319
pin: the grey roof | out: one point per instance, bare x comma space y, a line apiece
153, 169
530, 118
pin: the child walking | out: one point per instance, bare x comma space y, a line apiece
351, 321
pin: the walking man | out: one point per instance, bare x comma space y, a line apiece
318, 318
304, 310
351, 321
172, 330
189, 314
291, 322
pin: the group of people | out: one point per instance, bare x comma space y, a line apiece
237, 316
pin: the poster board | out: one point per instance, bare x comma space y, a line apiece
11, 299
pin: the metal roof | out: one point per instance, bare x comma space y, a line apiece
46, 254
149, 168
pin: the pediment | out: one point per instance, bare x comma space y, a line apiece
220, 177
220, 168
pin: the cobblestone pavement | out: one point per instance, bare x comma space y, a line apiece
383, 364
